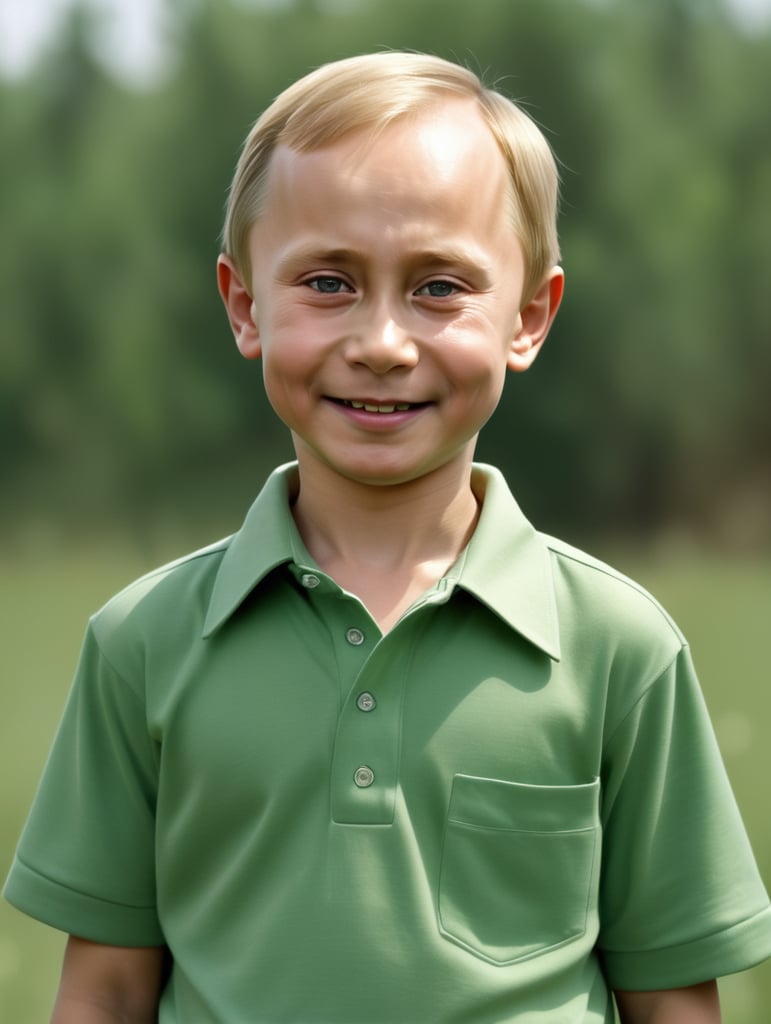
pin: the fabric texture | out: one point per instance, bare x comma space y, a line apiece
506, 806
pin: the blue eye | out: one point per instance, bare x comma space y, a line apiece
327, 285
437, 289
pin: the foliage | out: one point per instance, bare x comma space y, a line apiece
120, 389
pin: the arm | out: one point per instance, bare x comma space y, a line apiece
696, 1004
108, 984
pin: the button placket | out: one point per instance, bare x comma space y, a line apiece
364, 771
365, 767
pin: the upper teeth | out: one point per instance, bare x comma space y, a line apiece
400, 406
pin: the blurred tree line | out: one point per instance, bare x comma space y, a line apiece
121, 392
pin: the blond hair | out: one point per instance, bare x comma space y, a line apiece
368, 92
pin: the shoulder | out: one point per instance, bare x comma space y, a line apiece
168, 599
605, 591
604, 612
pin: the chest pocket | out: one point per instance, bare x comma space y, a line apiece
520, 866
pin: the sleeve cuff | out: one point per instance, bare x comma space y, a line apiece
733, 949
79, 914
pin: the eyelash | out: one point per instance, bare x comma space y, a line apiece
313, 283
453, 288
344, 287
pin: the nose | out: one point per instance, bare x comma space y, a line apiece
382, 343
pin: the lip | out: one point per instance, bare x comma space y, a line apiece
378, 406
378, 414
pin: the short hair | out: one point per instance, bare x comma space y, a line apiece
370, 91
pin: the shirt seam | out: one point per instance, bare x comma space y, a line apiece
139, 698
608, 740
684, 945
81, 892
216, 547
625, 581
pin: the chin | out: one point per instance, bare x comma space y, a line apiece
394, 473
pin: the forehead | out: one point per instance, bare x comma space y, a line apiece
439, 169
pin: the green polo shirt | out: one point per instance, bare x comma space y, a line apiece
507, 805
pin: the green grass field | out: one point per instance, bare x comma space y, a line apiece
724, 607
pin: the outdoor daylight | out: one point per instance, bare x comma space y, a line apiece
133, 432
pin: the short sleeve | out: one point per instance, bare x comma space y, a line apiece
681, 898
85, 861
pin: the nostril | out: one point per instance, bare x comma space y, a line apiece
383, 350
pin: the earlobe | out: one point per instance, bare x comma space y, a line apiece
534, 322
240, 308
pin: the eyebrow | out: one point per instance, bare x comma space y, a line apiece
318, 254
451, 255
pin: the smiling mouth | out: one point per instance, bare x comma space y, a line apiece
380, 407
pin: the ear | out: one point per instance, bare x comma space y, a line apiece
240, 308
534, 322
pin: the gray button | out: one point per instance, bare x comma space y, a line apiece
363, 777
309, 580
366, 702
354, 636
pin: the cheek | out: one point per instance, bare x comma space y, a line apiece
474, 351
298, 334
287, 342
275, 388
286, 371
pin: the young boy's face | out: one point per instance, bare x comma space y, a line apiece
386, 284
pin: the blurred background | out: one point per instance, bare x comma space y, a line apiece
131, 430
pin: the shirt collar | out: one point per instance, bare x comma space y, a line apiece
267, 539
506, 565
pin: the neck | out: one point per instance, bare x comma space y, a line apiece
386, 544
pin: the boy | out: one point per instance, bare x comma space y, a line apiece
388, 754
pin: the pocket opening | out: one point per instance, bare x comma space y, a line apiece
519, 867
